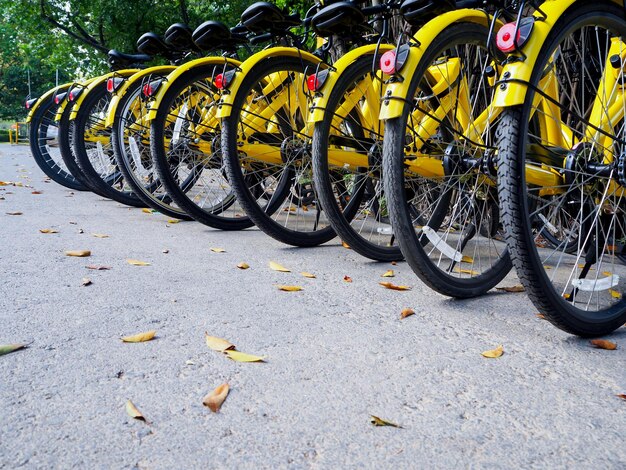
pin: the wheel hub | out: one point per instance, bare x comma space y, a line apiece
295, 152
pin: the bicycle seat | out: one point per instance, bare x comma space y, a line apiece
338, 18
179, 36
118, 60
152, 44
421, 11
263, 16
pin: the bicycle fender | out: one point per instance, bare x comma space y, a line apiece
397, 93
226, 101
50, 94
153, 105
321, 101
93, 84
511, 91
118, 94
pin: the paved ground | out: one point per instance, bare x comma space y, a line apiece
337, 353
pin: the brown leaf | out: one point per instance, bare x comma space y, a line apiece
136, 262
277, 267
517, 288
215, 399
78, 253
238, 356
345, 245
622, 396
407, 312
603, 344
389, 285
100, 235
309, 275
14, 213
36, 192
493, 353
98, 268
133, 412
48, 230
389, 273
86, 282
541, 316
140, 337
376, 421
290, 288
218, 250
394, 263
9, 348
218, 344
347, 278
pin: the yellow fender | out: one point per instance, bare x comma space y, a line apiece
117, 96
65, 102
397, 92
93, 83
153, 106
226, 102
321, 102
47, 95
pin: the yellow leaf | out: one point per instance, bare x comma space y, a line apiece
100, 235
136, 262
243, 265
407, 312
345, 245
218, 344
389, 273
78, 253
48, 230
603, 344
309, 275
243, 357
215, 399
173, 221
615, 294
389, 285
511, 289
471, 272
9, 348
147, 211
494, 353
140, 337
376, 421
218, 250
467, 259
290, 288
278, 267
133, 412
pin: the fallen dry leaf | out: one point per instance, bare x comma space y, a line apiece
309, 275
98, 268
389, 273
173, 221
218, 344
615, 294
9, 348
622, 396
511, 289
218, 250
14, 213
407, 312
243, 357
376, 421
290, 288
541, 316
48, 230
147, 211
243, 265
36, 192
86, 282
347, 278
389, 285
603, 344
345, 245
215, 399
166, 251
133, 412
80, 230
277, 267
136, 262
78, 253
471, 272
494, 353
140, 337
467, 259
100, 235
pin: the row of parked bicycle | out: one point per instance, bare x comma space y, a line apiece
487, 134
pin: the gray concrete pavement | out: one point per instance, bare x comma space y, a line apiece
336, 353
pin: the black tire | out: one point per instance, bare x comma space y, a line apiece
195, 180
276, 196
459, 193
552, 276
44, 145
365, 227
107, 178
134, 158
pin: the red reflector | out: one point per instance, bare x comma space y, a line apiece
147, 89
110, 85
388, 62
27, 104
72, 96
312, 83
56, 99
219, 81
506, 37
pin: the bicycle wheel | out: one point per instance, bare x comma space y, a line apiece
580, 170
44, 145
130, 140
186, 151
92, 148
347, 162
266, 144
448, 228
